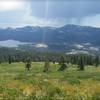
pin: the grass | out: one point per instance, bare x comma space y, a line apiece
71, 84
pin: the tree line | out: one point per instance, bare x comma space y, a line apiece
11, 55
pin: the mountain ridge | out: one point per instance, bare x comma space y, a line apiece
56, 38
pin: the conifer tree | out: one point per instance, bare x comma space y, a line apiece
9, 59
62, 63
46, 65
46, 62
97, 61
81, 64
28, 64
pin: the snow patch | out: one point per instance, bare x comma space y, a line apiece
77, 52
41, 45
79, 46
94, 48
11, 43
87, 44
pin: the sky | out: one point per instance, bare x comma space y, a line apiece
55, 13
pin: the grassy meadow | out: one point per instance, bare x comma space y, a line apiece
71, 84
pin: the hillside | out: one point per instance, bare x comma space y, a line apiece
67, 38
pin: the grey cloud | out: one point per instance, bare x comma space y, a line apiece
66, 9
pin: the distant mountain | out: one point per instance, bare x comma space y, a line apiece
68, 38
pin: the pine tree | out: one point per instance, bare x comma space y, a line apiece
9, 60
62, 63
53, 61
46, 66
81, 64
28, 64
97, 61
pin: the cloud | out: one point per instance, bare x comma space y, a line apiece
10, 5
91, 21
74, 9
66, 8
14, 13
19, 13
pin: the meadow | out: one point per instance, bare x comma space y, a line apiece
18, 84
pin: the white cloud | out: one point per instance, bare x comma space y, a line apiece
19, 13
91, 21
7, 5
14, 13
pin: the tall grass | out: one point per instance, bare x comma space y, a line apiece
71, 84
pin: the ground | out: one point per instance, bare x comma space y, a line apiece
71, 84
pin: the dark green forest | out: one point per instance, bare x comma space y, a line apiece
11, 55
